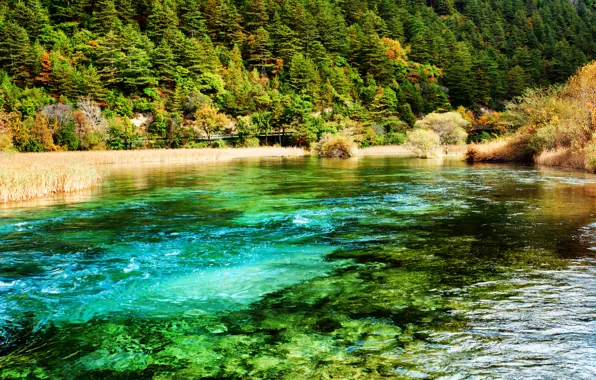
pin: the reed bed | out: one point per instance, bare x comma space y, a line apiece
506, 150
25, 176
562, 157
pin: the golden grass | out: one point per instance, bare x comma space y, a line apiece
173, 155
401, 150
506, 150
25, 176
562, 157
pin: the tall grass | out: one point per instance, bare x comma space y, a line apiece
25, 176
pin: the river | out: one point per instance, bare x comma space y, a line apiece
304, 268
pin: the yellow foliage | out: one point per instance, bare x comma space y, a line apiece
557, 126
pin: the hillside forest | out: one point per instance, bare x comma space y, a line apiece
122, 74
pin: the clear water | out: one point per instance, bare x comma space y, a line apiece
304, 268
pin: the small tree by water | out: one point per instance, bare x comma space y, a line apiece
449, 126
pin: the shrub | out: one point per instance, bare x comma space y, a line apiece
219, 143
449, 126
196, 145
423, 142
331, 146
249, 142
395, 138
5, 142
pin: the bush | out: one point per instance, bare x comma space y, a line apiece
249, 142
196, 145
423, 142
336, 147
449, 126
219, 144
395, 138
5, 142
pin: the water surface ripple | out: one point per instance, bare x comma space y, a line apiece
304, 268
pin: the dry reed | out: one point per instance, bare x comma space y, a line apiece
25, 176
562, 157
509, 150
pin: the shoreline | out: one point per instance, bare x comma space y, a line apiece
29, 176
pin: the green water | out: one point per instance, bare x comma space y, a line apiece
304, 269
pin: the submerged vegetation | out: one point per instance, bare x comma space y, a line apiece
114, 74
413, 250
554, 126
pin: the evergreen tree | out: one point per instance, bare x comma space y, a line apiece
302, 72
31, 16
256, 15
135, 70
109, 57
459, 77
14, 48
259, 53
162, 18
105, 17
163, 63
193, 22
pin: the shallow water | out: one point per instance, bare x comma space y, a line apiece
304, 268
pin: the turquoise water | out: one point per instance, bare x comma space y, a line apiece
304, 268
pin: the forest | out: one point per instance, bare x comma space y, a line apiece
126, 74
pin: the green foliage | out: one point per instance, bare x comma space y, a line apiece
67, 137
376, 62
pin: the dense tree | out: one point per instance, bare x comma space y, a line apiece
296, 65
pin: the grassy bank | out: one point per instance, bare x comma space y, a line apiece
25, 176
554, 127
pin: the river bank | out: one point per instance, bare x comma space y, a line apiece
25, 176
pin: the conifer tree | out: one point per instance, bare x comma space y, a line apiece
258, 49
163, 63
135, 70
109, 58
302, 72
14, 48
192, 20
256, 15
162, 18
105, 17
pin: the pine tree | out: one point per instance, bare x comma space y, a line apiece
14, 48
135, 70
193, 22
105, 17
91, 84
109, 58
31, 16
163, 63
162, 18
199, 56
259, 53
302, 72
459, 77
256, 15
